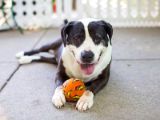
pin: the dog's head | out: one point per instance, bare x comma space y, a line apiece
87, 39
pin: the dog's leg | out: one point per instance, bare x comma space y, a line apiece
44, 48
51, 60
29, 59
101, 81
86, 100
58, 98
32, 52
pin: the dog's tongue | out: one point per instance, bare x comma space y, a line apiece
87, 68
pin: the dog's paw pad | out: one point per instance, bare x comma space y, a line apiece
20, 54
58, 99
85, 102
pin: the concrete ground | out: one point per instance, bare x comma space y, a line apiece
133, 91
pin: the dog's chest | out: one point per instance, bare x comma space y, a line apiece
72, 69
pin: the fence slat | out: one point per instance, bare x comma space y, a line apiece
79, 8
59, 8
117, 12
68, 8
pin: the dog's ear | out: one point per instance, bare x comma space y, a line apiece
108, 28
65, 31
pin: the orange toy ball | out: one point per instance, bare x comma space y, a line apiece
73, 89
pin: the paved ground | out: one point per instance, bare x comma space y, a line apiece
133, 92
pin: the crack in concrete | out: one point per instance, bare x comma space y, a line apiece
4, 85
17, 68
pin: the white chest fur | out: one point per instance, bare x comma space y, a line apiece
73, 69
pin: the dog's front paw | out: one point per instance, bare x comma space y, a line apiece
86, 101
58, 98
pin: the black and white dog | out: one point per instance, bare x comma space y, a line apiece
84, 52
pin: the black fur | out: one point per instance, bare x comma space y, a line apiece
73, 33
98, 31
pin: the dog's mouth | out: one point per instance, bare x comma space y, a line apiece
87, 68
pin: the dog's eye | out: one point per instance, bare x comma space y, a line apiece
76, 40
97, 40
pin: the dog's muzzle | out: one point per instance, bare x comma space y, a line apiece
87, 57
86, 64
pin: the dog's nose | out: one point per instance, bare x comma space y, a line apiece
87, 56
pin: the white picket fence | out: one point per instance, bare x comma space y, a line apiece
33, 14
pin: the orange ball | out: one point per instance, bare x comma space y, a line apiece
73, 89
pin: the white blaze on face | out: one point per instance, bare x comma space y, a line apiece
87, 45
72, 55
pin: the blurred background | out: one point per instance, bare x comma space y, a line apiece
36, 14
133, 91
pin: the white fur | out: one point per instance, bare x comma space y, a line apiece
58, 98
20, 54
28, 59
70, 61
86, 101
